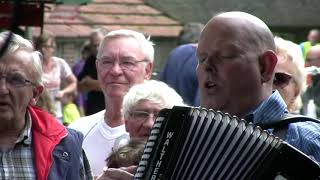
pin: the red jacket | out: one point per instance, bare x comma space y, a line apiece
47, 132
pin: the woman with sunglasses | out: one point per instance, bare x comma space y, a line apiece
290, 79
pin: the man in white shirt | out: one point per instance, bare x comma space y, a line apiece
124, 58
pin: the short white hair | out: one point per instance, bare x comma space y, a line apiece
145, 43
16, 43
152, 90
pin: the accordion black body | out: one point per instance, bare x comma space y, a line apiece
195, 143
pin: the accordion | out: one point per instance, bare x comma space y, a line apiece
195, 143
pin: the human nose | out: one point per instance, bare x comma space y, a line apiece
149, 121
3, 85
116, 68
152, 117
208, 66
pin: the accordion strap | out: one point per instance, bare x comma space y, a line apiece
281, 127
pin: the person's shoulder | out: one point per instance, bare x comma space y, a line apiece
75, 134
306, 128
85, 123
58, 59
181, 53
62, 63
70, 106
191, 47
304, 43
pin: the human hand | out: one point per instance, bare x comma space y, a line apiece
123, 173
59, 95
89, 84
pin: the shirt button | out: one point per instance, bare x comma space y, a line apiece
65, 155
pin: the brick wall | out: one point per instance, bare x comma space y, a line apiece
69, 49
290, 17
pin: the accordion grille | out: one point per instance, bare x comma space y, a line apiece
196, 143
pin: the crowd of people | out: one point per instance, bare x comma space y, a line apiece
91, 121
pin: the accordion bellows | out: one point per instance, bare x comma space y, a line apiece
195, 143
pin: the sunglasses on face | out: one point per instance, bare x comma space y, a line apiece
281, 79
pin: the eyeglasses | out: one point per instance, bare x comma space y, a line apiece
16, 80
124, 64
142, 115
281, 79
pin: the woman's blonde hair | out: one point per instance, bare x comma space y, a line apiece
291, 52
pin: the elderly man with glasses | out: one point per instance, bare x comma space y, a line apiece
125, 58
33, 144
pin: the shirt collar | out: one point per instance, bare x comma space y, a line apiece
25, 136
270, 110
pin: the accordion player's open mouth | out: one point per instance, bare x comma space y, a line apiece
209, 85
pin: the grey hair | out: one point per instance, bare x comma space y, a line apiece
191, 33
152, 90
19, 43
98, 31
145, 43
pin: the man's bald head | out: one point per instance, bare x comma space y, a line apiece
253, 30
313, 56
314, 36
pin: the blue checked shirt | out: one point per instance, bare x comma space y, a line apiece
17, 163
305, 136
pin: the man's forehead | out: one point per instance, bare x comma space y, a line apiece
220, 39
20, 59
315, 33
314, 51
127, 47
223, 28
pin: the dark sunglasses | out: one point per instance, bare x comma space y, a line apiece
281, 79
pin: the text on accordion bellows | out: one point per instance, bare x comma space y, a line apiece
163, 152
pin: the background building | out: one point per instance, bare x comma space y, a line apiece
290, 18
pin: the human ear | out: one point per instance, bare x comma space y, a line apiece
267, 62
126, 124
36, 94
148, 70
